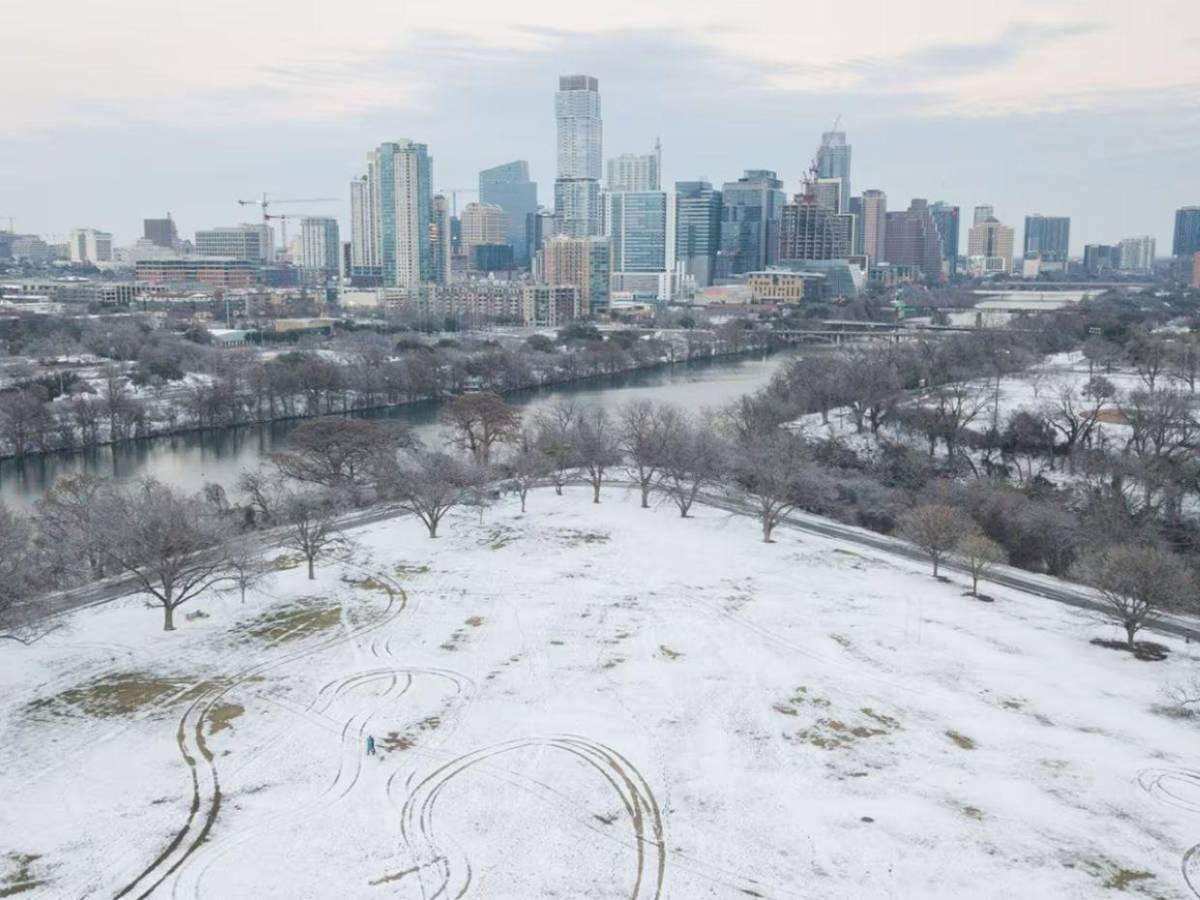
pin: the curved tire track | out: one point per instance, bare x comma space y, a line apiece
1179, 788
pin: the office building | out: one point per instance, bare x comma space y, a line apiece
809, 230
945, 217
580, 144
1137, 254
160, 232
391, 214
319, 244
1195, 282
582, 262
828, 193
549, 306
1187, 232
87, 245
781, 286
540, 227
874, 224
992, 244
913, 240
751, 209
252, 243
697, 229
483, 223
637, 230
982, 214
491, 258
440, 239
508, 187
1099, 259
833, 161
1049, 239
855, 208
211, 272
636, 171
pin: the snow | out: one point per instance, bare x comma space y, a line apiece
584, 699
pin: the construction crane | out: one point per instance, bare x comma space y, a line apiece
10, 223
265, 203
454, 192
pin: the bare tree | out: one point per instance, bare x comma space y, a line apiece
936, 529
263, 490
1183, 361
170, 543
246, 567
644, 430
1137, 582
17, 575
777, 474
478, 421
979, 554
338, 452
693, 459
68, 527
525, 464
872, 386
429, 484
1074, 414
555, 429
311, 523
596, 447
1150, 355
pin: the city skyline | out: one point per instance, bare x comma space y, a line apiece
930, 114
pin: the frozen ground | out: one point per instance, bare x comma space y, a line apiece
595, 702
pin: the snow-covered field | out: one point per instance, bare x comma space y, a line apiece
593, 702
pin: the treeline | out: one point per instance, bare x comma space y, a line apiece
142, 390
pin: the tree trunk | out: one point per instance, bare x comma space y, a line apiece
522, 502
645, 495
311, 576
767, 527
168, 617
974, 585
558, 488
433, 524
596, 491
1130, 630
935, 565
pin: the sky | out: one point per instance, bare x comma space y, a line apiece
127, 109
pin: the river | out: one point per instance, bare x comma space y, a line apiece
190, 460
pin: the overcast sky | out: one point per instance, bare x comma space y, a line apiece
124, 109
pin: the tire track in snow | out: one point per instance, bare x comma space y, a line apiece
1179, 788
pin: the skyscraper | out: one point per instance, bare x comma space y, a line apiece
913, 240
751, 208
364, 239
828, 193
319, 245
637, 231
809, 230
1101, 258
580, 144
983, 213
697, 229
1187, 232
1137, 254
440, 240
87, 245
833, 161
582, 262
874, 224
400, 199
508, 187
1048, 237
945, 217
636, 171
991, 240
160, 232
483, 223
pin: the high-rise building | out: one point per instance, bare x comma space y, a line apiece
391, 210
697, 229
1049, 238
855, 208
992, 242
945, 217
833, 161
483, 223
254, 243
809, 230
580, 144
637, 230
508, 187
582, 262
913, 240
983, 213
439, 239
751, 208
828, 193
540, 227
87, 245
1187, 232
1137, 254
874, 224
1195, 282
1101, 258
160, 232
319, 243
636, 171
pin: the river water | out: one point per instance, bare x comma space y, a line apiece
188, 461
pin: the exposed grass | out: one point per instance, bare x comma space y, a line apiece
292, 622
834, 734
573, 537
285, 561
668, 652
371, 583
800, 697
406, 570
222, 715
122, 694
474, 621
21, 878
395, 741
963, 742
973, 812
500, 537
1123, 878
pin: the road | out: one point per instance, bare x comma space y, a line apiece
1031, 583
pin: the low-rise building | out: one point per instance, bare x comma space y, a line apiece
773, 286
212, 271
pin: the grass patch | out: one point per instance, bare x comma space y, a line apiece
963, 742
395, 876
834, 734
474, 621
112, 696
395, 741
370, 583
573, 537
292, 622
285, 561
406, 570
1123, 878
500, 537
668, 652
800, 697
973, 812
557, 643
1147, 651
222, 715
21, 878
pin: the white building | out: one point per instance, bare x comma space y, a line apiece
636, 171
1137, 254
319, 246
580, 138
87, 245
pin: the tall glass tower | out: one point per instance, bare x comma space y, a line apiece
400, 178
508, 186
580, 138
833, 161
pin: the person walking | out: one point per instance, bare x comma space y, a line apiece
370, 745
